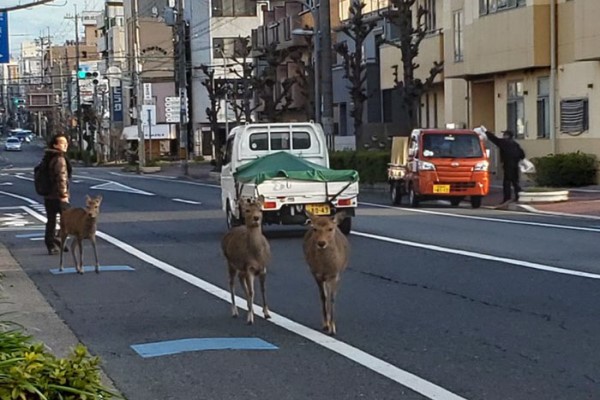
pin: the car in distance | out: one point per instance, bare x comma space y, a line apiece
12, 144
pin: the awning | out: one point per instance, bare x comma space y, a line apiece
159, 132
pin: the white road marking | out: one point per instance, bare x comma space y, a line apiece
25, 178
405, 378
16, 196
474, 217
187, 201
6, 184
119, 187
481, 256
171, 179
143, 176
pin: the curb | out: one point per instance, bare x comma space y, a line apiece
26, 306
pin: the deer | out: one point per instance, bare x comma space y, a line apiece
326, 251
81, 224
248, 253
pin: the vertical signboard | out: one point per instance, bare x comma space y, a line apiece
4, 50
117, 103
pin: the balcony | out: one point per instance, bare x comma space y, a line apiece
515, 39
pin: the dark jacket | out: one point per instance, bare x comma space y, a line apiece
510, 151
60, 173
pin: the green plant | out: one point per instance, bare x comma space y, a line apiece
371, 165
29, 371
566, 170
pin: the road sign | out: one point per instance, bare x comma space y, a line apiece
4, 49
145, 109
147, 92
172, 109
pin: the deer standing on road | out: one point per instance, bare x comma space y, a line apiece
80, 223
248, 252
326, 251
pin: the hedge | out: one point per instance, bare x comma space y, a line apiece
371, 165
566, 170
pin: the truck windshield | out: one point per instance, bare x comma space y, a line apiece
451, 146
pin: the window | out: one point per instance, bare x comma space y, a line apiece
458, 26
259, 141
280, 141
228, 151
233, 8
387, 96
451, 146
430, 20
230, 47
492, 6
300, 140
515, 109
574, 115
287, 28
543, 108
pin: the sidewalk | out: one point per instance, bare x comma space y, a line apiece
583, 201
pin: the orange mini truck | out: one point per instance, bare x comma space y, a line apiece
439, 164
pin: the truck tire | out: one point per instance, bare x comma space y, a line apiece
396, 193
346, 226
413, 199
232, 221
476, 201
456, 201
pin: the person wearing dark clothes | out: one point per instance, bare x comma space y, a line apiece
58, 199
510, 155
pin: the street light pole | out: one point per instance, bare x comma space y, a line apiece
226, 91
138, 85
326, 76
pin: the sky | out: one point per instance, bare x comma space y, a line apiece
34, 22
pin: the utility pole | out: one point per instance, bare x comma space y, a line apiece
182, 60
326, 78
79, 132
138, 85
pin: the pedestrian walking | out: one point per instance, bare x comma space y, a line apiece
510, 155
59, 172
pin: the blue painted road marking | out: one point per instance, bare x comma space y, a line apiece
89, 268
169, 347
30, 235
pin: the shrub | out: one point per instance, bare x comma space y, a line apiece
566, 170
28, 371
371, 165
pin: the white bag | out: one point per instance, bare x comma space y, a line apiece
481, 132
526, 166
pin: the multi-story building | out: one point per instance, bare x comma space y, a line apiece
214, 27
157, 64
30, 62
529, 66
9, 94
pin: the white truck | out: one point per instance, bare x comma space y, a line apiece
288, 164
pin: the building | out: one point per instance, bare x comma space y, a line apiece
214, 28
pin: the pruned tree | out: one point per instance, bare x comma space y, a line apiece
275, 104
241, 91
412, 29
215, 94
357, 29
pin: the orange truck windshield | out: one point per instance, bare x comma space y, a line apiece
451, 146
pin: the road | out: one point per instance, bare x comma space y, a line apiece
438, 302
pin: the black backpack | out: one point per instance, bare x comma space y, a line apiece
41, 177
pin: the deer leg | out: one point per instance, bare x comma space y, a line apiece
73, 247
333, 286
262, 277
80, 266
63, 238
232, 274
250, 296
93, 240
244, 283
323, 298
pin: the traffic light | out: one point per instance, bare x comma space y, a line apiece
81, 74
94, 76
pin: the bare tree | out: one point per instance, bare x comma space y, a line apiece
357, 29
215, 94
241, 91
411, 31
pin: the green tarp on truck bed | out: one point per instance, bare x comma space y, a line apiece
286, 165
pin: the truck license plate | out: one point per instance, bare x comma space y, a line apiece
318, 209
441, 188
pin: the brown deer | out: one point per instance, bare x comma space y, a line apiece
326, 251
81, 224
248, 252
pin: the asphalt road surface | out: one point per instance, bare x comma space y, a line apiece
438, 302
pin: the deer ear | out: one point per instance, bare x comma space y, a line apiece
87, 198
261, 200
99, 198
309, 217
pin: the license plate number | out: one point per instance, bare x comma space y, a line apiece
441, 188
318, 209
